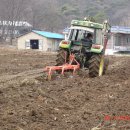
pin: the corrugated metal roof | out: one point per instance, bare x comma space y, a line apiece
120, 29
49, 34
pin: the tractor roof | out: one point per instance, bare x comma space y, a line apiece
89, 24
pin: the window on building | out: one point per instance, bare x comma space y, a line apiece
27, 43
128, 39
118, 40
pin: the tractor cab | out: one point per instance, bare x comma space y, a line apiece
80, 29
79, 36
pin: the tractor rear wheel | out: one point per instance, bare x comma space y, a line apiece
62, 57
96, 65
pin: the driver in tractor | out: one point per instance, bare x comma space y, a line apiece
88, 39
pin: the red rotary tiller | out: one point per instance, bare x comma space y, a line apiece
64, 67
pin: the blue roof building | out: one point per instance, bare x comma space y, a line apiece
40, 40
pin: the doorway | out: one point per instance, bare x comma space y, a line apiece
34, 44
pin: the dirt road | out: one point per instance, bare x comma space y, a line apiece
29, 102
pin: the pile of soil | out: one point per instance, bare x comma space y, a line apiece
29, 102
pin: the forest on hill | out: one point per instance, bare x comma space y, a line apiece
55, 15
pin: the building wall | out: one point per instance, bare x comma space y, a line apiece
110, 43
119, 42
122, 39
53, 44
24, 41
110, 46
122, 42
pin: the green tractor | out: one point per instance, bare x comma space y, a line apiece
89, 53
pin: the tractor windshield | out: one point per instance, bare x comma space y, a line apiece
76, 34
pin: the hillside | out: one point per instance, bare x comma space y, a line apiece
55, 15
62, 11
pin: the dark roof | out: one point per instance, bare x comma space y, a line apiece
120, 29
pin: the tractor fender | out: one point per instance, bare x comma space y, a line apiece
96, 49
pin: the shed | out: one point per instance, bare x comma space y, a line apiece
40, 40
120, 39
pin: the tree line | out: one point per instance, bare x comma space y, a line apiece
55, 15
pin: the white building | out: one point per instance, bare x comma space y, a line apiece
45, 41
120, 40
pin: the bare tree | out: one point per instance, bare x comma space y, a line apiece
12, 11
125, 21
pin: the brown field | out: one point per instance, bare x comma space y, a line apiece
29, 102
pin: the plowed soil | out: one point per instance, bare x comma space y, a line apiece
29, 102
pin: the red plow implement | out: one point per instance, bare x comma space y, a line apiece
64, 67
